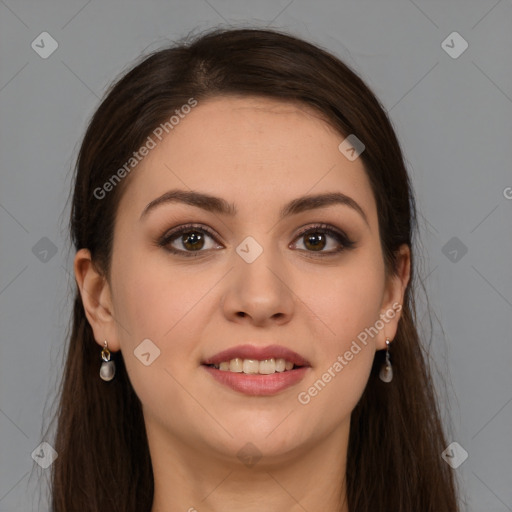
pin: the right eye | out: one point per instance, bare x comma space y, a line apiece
191, 239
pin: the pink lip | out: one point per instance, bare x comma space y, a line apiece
258, 353
258, 385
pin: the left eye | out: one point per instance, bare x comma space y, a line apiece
316, 239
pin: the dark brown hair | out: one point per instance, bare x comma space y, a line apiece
396, 434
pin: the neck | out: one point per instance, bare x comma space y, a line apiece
191, 479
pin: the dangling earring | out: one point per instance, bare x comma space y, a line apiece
108, 367
386, 371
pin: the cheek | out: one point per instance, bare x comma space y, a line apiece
345, 356
348, 303
153, 303
151, 299
349, 298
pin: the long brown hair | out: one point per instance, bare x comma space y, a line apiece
396, 435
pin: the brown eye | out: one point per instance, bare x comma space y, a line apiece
315, 241
189, 241
193, 240
323, 240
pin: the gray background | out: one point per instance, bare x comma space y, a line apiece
453, 117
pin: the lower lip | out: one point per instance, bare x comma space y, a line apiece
257, 384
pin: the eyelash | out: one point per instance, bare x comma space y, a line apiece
326, 229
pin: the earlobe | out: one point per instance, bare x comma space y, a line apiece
96, 299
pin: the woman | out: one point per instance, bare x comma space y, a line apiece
243, 332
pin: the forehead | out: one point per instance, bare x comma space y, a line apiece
252, 151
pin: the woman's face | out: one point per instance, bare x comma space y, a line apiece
246, 275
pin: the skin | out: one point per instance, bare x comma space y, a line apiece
258, 154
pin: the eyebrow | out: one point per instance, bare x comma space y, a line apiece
221, 206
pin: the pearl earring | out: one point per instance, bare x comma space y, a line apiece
108, 367
386, 371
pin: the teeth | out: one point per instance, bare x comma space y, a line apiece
280, 365
252, 366
236, 365
267, 366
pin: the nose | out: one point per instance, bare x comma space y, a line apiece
260, 292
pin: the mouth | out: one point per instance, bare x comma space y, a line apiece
257, 370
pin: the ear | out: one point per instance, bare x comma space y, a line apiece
394, 297
96, 298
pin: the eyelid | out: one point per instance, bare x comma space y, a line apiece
320, 226
190, 227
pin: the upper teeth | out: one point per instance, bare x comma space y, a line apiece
265, 367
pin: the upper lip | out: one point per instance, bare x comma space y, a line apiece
257, 353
